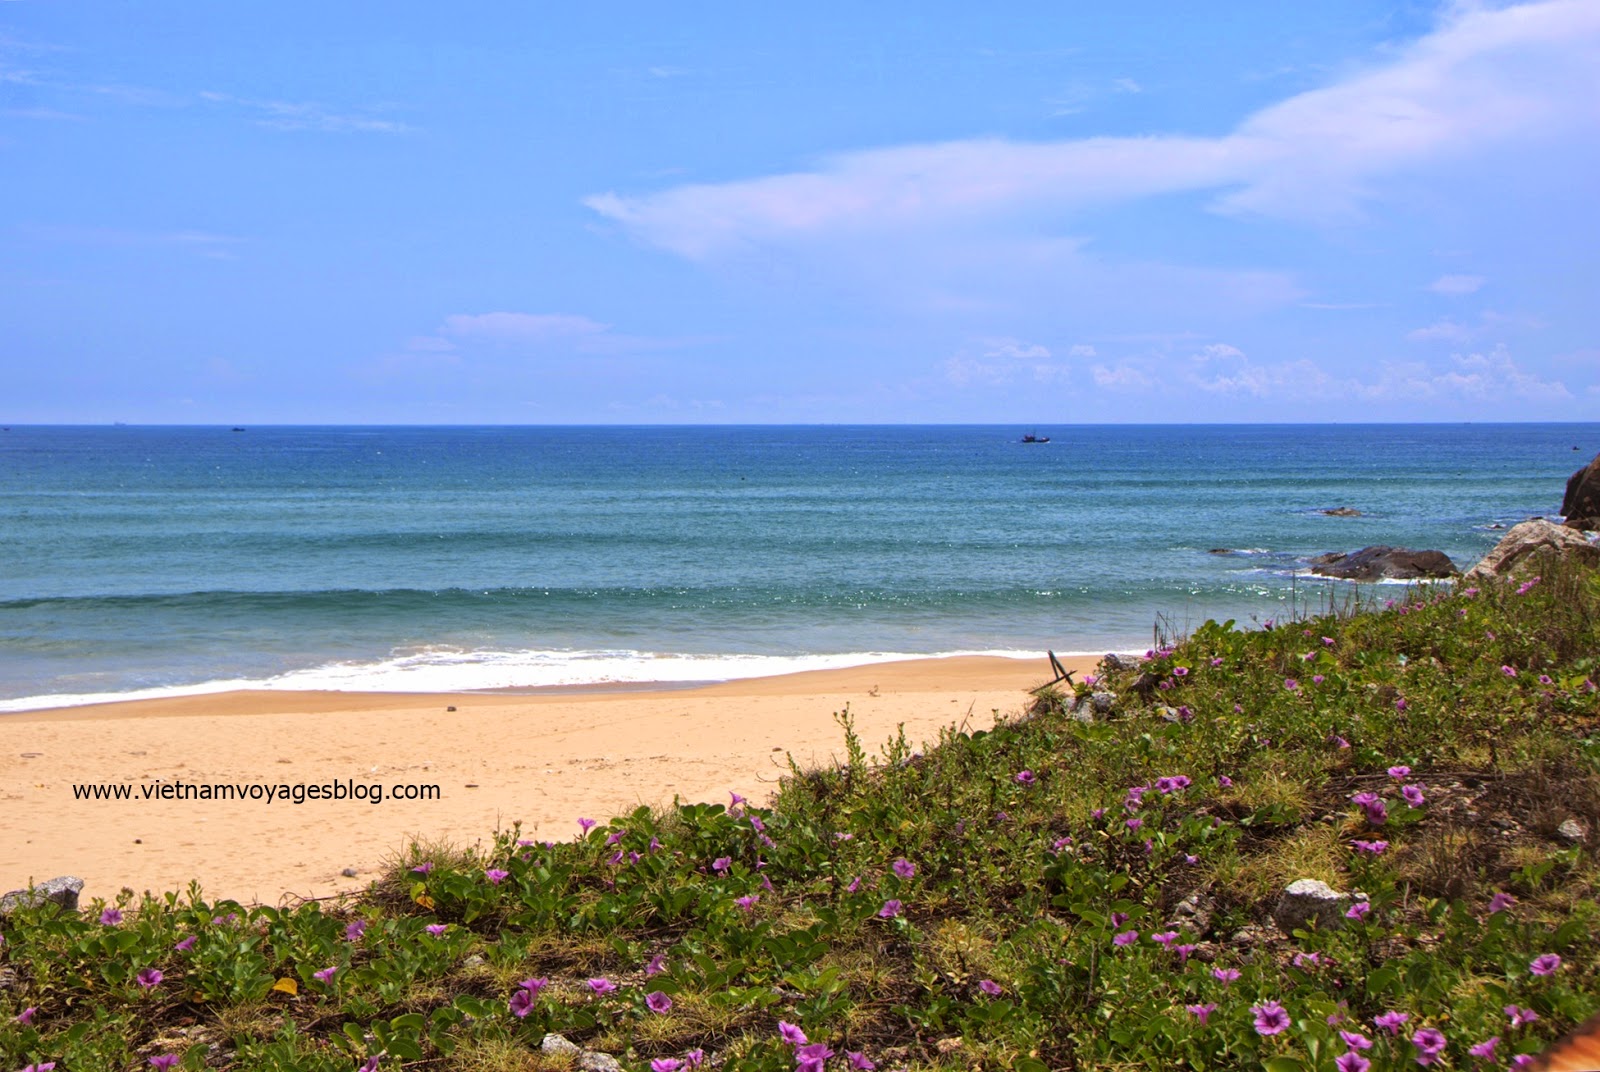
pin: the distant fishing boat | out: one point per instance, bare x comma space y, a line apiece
1034, 438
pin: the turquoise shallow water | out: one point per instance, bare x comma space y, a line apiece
180, 559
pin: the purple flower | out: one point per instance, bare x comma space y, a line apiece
1024, 777
1224, 781
355, 930
1293, 686
1545, 964
1484, 1051
812, 1058
187, 944
1372, 804
423, 868
496, 875
694, 1058
1500, 902
1371, 848
1400, 704
1172, 783
1351, 1061
1526, 586
1165, 938
602, 985
990, 987
1202, 1012
841, 835
111, 917
1060, 845
656, 1001
522, 1003
1217, 661
904, 869
855, 884
791, 1034
1509, 671
1518, 1017
721, 864
149, 978
890, 909
42, 1066
1430, 1044
1271, 1018
1355, 1040
1134, 824
1184, 950
436, 929
657, 965
615, 836
665, 1064
1413, 795
748, 901
1317, 679
370, 1064
1225, 975
1391, 1021
325, 974
25, 1017
1126, 938
1358, 911
734, 800
165, 1060
1098, 814
533, 986
586, 825
859, 1060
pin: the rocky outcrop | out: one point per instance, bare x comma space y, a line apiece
1581, 505
1342, 511
1310, 901
1382, 562
63, 891
1530, 547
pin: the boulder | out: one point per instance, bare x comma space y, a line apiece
1581, 505
1306, 901
1530, 546
1342, 511
1380, 562
63, 891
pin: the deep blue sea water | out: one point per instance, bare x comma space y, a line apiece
159, 560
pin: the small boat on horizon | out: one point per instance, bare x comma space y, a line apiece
1032, 437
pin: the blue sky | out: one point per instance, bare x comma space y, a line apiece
1030, 213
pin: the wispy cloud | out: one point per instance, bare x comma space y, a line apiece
1484, 78
1001, 361
307, 115
1455, 285
201, 243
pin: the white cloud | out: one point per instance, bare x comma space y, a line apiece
1440, 331
1121, 378
1477, 377
1486, 78
1002, 361
1454, 285
520, 327
307, 115
1081, 350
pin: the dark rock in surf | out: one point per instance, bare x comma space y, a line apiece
1342, 511
1384, 563
1581, 505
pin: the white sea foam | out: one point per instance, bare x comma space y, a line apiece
444, 670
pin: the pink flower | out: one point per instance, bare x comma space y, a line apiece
163, 1061
602, 985
187, 944
904, 869
1356, 1040
1351, 1062
1202, 1012
1225, 975
1180, 671
325, 974
1399, 771
1271, 1018
1371, 848
791, 1034
1126, 938
25, 1017
1400, 704
859, 1061
1413, 795
586, 825
1430, 1044
1377, 812
1024, 777
1292, 685
890, 909
111, 917
1317, 679
748, 901
1545, 964
1518, 1017
721, 864
1391, 1021
657, 965
355, 930
436, 929
990, 987
1500, 902
1509, 671
656, 1001
496, 876
665, 1064
1526, 586
1224, 781
149, 978
422, 868
1484, 1051
1358, 911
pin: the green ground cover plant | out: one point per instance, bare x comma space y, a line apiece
1070, 889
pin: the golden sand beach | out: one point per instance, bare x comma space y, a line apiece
497, 759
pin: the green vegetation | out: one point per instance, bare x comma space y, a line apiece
1054, 893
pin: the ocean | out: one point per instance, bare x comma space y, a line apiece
141, 561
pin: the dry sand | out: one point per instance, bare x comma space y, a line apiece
542, 759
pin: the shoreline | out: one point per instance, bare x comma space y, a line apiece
539, 758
